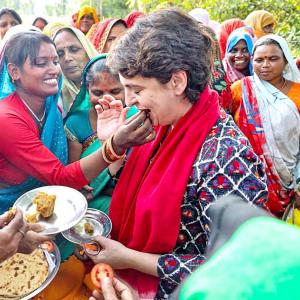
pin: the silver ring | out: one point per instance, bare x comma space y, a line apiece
22, 232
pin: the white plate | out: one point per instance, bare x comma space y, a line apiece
70, 207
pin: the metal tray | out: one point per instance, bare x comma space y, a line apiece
70, 207
54, 256
100, 221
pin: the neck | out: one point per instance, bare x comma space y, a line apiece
183, 107
278, 82
37, 104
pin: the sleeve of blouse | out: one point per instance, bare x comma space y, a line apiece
23, 149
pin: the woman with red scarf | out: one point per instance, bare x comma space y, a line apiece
158, 210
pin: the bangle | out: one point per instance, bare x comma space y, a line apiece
108, 154
111, 149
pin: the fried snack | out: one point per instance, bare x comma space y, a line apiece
22, 274
32, 218
44, 204
11, 214
88, 228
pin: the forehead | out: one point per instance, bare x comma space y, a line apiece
65, 39
118, 29
104, 79
7, 17
268, 50
241, 43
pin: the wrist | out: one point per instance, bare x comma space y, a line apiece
118, 149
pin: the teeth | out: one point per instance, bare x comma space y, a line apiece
239, 61
51, 81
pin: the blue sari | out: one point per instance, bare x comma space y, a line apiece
52, 136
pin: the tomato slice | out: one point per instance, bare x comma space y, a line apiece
48, 245
99, 272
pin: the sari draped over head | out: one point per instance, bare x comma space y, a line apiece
132, 17
236, 36
70, 90
86, 10
52, 135
99, 33
271, 122
225, 30
258, 19
146, 216
51, 28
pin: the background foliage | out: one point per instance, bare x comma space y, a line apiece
286, 11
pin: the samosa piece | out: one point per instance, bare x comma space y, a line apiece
44, 204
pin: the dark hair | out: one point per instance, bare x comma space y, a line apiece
97, 67
23, 45
267, 42
162, 43
6, 10
39, 19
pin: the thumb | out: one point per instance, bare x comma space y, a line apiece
36, 227
108, 289
123, 115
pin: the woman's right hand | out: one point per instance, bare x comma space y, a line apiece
113, 290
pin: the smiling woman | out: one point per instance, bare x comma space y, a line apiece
33, 146
8, 19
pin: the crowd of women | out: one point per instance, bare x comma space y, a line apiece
153, 125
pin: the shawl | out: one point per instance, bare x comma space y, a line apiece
99, 33
70, 90
146, 217
236, 36
225, 30
132, 18
258, 19
86, 10
51, 28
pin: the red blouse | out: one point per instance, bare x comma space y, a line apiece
23, 154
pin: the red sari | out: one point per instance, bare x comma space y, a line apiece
146, 204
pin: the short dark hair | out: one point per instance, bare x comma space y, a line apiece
162, 43
23, 45
267, 41
39, 19
6, 10
97, 67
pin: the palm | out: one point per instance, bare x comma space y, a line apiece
108, 122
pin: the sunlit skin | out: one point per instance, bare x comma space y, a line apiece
37, 81
166, 103
239, 57
269, 63
86, 23
116, 32
7, 21
72, 56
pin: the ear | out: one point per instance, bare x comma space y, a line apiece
13, 71
179, 82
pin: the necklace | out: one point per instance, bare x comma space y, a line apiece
39, 120
283, 85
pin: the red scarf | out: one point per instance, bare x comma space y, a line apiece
146, 204
251, 124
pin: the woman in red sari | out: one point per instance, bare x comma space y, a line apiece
102, 35
158, 210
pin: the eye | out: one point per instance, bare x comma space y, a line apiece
97, 93
115, 91
258, 60
60, 53
111, 39
73, 49
245, 50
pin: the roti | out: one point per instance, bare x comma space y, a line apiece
22, 273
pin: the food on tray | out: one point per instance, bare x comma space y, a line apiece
88, 228
44, 207
22, 273
44, 204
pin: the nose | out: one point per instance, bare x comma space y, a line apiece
54, 68
130, 98
266, 63
68, 55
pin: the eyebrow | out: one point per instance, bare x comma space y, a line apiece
132, 86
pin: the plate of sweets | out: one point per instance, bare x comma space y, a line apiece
57, 208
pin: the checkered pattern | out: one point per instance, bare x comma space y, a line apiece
225, 165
